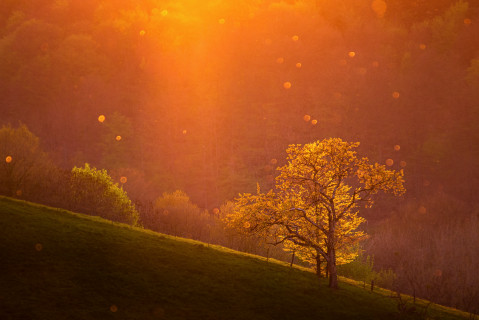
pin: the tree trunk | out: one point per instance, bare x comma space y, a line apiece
318, 265
332, 270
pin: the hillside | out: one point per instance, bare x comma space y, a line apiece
60, 265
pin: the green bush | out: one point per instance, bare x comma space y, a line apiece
93, 192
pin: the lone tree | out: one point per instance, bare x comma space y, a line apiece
314, 207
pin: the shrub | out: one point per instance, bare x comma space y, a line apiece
93, 192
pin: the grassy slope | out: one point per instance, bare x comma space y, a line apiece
58, 265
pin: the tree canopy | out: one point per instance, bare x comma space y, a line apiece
314, 207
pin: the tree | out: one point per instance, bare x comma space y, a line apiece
93, 192
315, 205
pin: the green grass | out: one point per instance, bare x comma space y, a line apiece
55, 264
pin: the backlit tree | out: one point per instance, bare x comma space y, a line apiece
314, 208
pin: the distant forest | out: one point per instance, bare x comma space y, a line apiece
205, 97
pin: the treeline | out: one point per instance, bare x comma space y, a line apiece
206, 97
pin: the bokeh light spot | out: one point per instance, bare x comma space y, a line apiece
314, 122
101, 118
307, 117
38, 247
123, 179
295, 38
403, 163
8, 159
280, 60
298, 65
113, 308
164, 12
396, 95
379, 7
118, 138
375, 64
389, 162
216, 211
18, 193
467, 21
397, 147
422, 46
221, 21
274, 161
185, 131
351, 54
422, 210
142, 32
287, 85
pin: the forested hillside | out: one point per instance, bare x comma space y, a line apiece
205, 97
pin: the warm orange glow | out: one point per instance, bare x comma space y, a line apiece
402, 163
422, 210
184, 131
396, 95
101, 118
467, 21
422, 46
379, 7
280, 60
142, 32
295, 38
314, 122
39, 247
123, 179
8, 159
118, 138
113, 308
221, 21
351, 54
307, 117
164, 12
298, 65
287, 85
274, 161
389, 162
397, 147
375, 64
